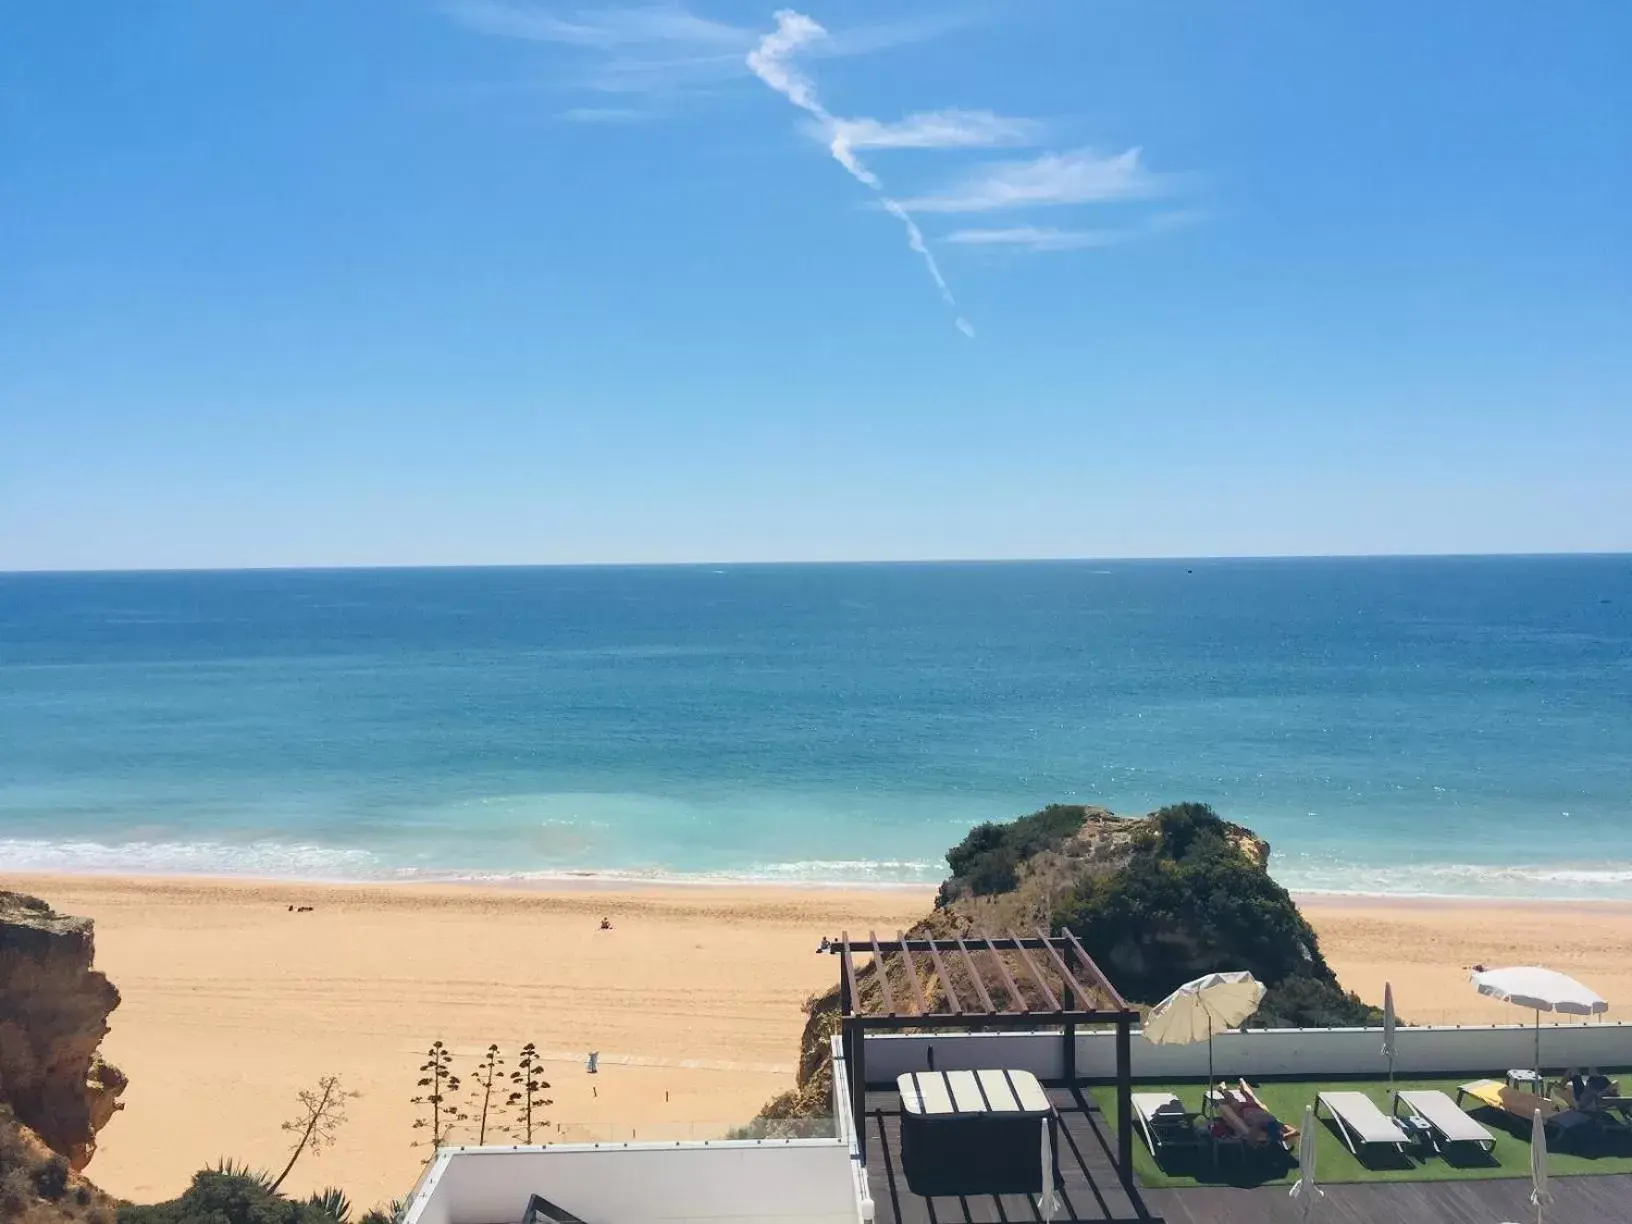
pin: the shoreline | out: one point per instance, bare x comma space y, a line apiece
616, 880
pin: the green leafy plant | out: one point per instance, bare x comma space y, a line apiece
228, 1167
322, 1114
528, 1095
436, 1082
988, 859
391, 1213
219, 1197
332, 1202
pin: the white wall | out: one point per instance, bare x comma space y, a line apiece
845, 1123
1451, 1050
800, 1181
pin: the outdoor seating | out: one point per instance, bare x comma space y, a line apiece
1516, 1103
1164, 1122
1448, 1124
975, 1132
1360, 1123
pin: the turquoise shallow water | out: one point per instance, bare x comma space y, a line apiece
1428, 726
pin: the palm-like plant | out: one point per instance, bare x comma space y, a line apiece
490, 1069
530, 1087
437, 1080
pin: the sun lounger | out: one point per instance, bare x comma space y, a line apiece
1163, 1121
1514, 1102
1361, 1123
1450, 1125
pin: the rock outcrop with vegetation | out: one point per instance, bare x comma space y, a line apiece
54, 1011
1156, 900
55, 1090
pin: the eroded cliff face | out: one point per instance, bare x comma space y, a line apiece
54, 1011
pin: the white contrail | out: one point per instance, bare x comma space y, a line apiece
770, 62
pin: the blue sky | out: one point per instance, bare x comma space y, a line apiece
293, 282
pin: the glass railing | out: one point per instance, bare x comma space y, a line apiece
567, 1131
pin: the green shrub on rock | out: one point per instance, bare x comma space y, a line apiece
218, 1197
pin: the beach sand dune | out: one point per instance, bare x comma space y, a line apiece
232, 1003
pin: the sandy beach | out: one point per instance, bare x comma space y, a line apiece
232, 1003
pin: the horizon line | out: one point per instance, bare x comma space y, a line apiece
1170, 558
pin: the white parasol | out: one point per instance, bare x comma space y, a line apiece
1212, 1004
1541, 990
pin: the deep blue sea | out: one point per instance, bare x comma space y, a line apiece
1426, 726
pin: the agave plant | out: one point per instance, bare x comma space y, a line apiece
391, 1213
333, 1203
229, 1167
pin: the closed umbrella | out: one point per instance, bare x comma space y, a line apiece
1195, 1011
1389, 1024
1304, 1189
1540, 1197
1541, 990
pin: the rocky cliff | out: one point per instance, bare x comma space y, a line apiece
1156, 900
54, 1011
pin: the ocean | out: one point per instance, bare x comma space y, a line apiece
1445, 726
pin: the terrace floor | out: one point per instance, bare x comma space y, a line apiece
1580, 1200
1092, 1191
1286, 1099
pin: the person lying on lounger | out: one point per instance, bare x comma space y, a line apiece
1259, 1121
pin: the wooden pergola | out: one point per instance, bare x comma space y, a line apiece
1016, 982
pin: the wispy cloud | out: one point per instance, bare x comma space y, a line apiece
607, 28
607, 114
1044, 238
1037, 238
939, 129
1079, 177
772, 62
662, 48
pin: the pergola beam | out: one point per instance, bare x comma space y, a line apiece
974, 976
882, 970
912, 975
1037, 974
1078, 996
946, 978
1017, 1001
1100, 979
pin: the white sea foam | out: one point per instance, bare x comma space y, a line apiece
1565, 881
256, 859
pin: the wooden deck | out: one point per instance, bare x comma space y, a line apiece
1579, 1200
1091, 1190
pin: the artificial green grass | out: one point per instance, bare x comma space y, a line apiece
1286, 1100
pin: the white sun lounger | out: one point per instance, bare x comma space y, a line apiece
1450, 1124
1163, 1121
1361, 1123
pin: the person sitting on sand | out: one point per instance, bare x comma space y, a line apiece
606, 924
